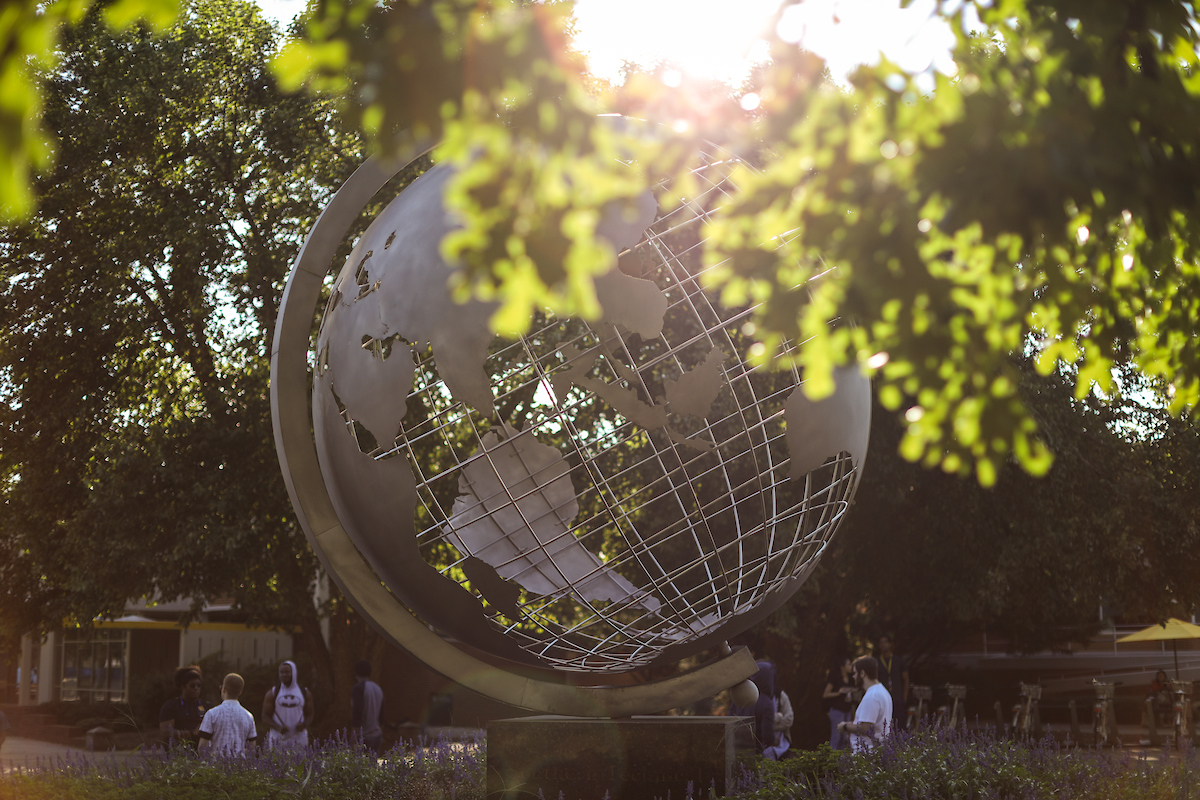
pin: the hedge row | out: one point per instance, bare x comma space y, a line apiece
939, 765
954, 765
330, 770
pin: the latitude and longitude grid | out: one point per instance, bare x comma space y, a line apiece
624, 643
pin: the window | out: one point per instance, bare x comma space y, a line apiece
94, 665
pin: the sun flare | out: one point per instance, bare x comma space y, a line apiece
704, 38
723, 40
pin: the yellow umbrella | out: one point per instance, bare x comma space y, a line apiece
1173, 629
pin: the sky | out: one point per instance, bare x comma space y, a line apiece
722, 38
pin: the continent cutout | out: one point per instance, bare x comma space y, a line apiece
624, 224
694, 391
500, 593
694, 626
696, 444
625, 401
414, 296
636, 304
818, 431
514, 511
375, 501
373, 389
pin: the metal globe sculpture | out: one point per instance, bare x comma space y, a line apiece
591, 497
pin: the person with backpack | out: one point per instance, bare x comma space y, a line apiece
287, 710
784, 717
763, 710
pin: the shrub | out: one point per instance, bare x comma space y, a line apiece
330, 770
147, 696
954, 765
89, 715
942, 766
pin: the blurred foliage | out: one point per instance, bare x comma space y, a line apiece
1043, 198
29, 38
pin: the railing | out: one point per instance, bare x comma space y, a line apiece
990, 645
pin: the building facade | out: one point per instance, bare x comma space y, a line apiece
108, 661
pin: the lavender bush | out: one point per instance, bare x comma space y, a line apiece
334, 769
960, 765
943, 765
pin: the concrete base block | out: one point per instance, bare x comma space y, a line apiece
640, 758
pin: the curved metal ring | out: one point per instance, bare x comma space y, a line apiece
294, 443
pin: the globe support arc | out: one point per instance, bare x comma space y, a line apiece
348, 567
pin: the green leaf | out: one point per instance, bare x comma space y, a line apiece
157, 14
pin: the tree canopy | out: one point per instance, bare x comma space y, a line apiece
933, 559
139, 301
1044, 197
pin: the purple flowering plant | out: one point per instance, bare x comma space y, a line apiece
943, 765
333, 769
972, 765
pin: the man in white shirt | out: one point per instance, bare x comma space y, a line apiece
228, 728
872, 719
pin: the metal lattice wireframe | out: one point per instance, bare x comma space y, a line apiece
685, 525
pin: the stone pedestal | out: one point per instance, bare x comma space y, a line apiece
640, 758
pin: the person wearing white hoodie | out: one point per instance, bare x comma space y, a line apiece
287, 710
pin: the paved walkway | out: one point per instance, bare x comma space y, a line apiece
19, 752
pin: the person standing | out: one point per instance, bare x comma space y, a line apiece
228, 728
836, 698
287, 710
873, 717
893, 674
179, 718
1161, 700
366, 707
763, 710
784, 717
